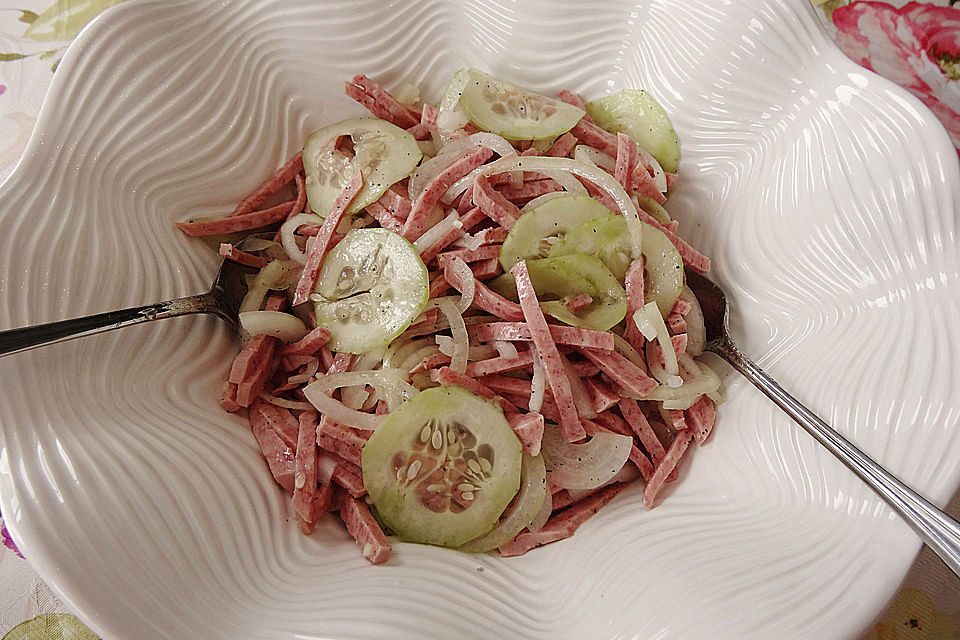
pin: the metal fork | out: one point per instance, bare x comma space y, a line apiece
940, 532
223, 300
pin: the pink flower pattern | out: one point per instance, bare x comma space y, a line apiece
916, 45
7, 540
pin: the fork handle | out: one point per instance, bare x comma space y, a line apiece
17, 340
939, 531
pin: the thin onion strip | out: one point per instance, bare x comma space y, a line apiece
435, 234
289, 240
469, 289
584, 466
287, 327
461, 342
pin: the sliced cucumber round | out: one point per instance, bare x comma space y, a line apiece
442, 467
515, 113
637, 114
560, 278
371, 287
540, 227
606, 238
522, 510
664, 268
384, 153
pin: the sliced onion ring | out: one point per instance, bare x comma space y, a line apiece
684, 396
584, 466
538, 384
469, 283
389, 382
539, 200
276, 275
659, 178
296, 405
594, 156
545, 512
287, 327
289, 228
355, 396
435, 234
461, 341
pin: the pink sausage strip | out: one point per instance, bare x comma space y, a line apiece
666, 466
701, 417
415, 224
230, 252
499, 365
280, 420
364, 529
676, 419
529, 430
270, 186
484, 252
622, 371
244, 222
279, 455
494, 204
380, 103
468, 221
626, 161
386, 219
691, 257
571, 98
447, 376
562, 146
676, 322
529, 190
593, 136
486, 269
601, 395
506, 384
484, 298
642, 182
228, 397
305, 477
332, 445
635, 418
252, 367
308, 344
570, 426
562, 334
347, 475
319, 249
563, 524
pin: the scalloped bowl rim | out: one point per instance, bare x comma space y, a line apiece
68, 587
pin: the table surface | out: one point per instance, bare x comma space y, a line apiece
35, 33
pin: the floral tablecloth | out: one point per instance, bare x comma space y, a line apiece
917, 45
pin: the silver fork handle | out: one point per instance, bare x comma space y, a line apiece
939, 531
17, 340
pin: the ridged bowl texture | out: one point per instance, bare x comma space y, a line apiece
826, 196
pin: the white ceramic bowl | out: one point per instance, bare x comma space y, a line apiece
826, 196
